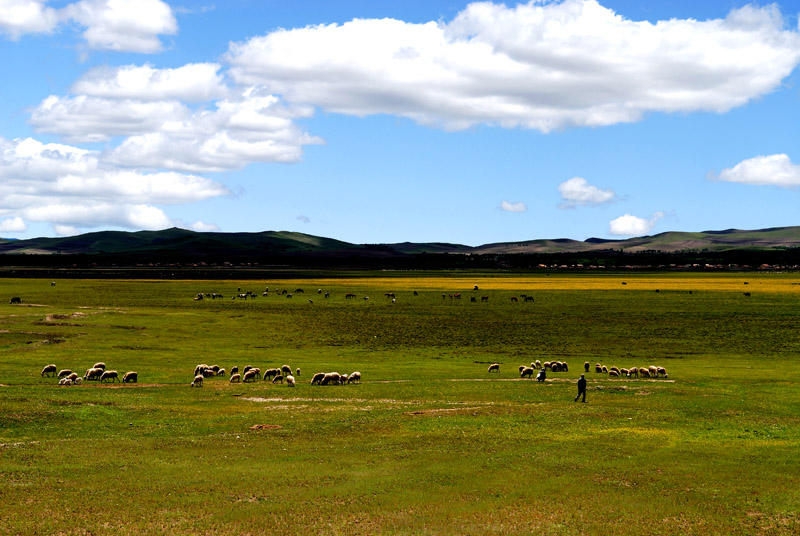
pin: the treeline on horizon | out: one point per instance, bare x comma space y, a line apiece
213, 265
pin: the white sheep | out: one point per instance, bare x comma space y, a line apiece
64, 372
49, 370
317, 378
278, 379
354, 377
77, 381
198, 381
93, 374
290, 380
250, 375
100, 365
494, 367
235, 378
109, 374
130, 377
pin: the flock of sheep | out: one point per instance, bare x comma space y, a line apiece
652, 371
561, 366
276, 375
96, 372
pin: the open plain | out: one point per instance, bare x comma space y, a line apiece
428, 442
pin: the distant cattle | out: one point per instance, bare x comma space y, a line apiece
349, 295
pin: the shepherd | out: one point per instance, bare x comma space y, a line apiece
581, 388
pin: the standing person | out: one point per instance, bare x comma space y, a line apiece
581, 388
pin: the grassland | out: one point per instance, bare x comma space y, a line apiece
429, 443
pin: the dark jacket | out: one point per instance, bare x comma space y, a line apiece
581, 384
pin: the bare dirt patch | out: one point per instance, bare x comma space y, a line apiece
266, 427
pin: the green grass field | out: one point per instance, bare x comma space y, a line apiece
429, 442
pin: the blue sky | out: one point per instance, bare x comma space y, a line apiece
379, 122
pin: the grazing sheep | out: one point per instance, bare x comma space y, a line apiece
662, 371
565, 366
109, 375
644, 373
278, 379
64, 381
221, 372
77, 381
74, 376
270, 373
257, 371
331, 378
250, 375
538, 364
624, 371
343, 379
494, 367
613, 374
100, 365
614, 369
522, 367
631, 372
49, 370
604, 370
234, 369
297, 372
526, 371
93, 374
653, 371
354, 378
215, 368
317, 378
235, 378
290, 380
65, 372
199, 369
598, 367
207, 373
130, 377
198, 381
246, 368
547, 365
586, 366
286, 370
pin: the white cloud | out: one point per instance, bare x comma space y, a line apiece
203, 227
629, 225
578, 192
513, 207
19, 17
67, 186
540, 66
13, 225
66, 230
194, 82
774, 170
304, 219
121, 25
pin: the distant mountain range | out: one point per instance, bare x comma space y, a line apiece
198, 245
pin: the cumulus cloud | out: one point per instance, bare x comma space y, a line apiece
68, 186
540, 66
19, 17
629, 225
13, 225
774, 170
108, 24
578, 192
203, 227
250, 125
513, 207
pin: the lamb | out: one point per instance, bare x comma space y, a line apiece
100, 365
354, 378
250, 375
526, 371
77, 381
290, 380
65, 372
494, 367
278, 379
49, 370
235, 378
64, 381
198, 381
317, 378
109, 374
130, 377
93, 374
